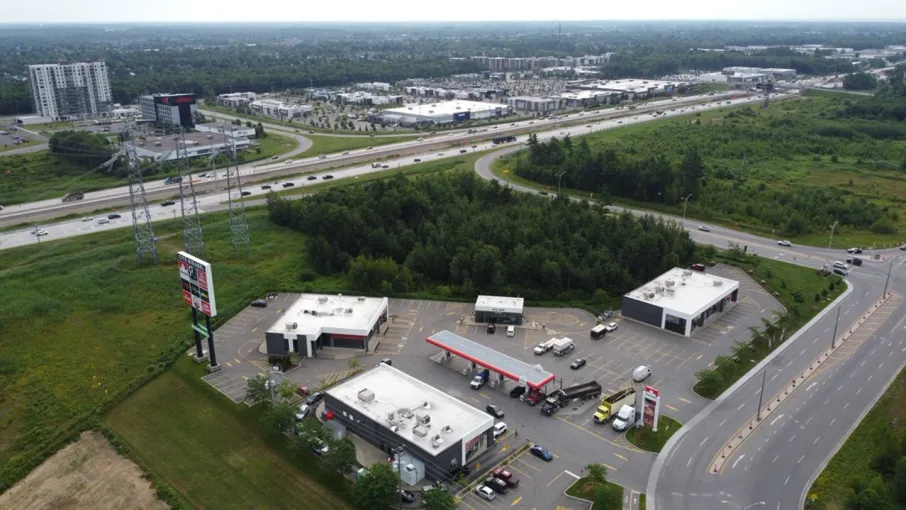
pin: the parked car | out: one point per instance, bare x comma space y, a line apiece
541, 452
492, 328
259, 303
611, 327
502, 474
698, 267
784, 243
511, 331
315, 398
246, 193
517, 392
288, 184
463, 151
303, 411
494, 411
485, 492
579, 363
641, 373
499, 429
498, 485
103, 221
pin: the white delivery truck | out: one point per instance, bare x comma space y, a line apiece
562, 346
544, 347
624, 418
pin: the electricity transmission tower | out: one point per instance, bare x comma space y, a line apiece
191, 222
239, 226
145, 242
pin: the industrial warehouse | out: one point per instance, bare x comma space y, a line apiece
445, 112
681, 300
391, 409
315, 321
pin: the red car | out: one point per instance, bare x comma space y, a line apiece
698, 267
507, 477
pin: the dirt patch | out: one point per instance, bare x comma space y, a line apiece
86, 474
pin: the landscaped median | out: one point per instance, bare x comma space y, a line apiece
645, 439
594, 488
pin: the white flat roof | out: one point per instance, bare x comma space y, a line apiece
391, 391
693, 291
320, 313
499, 304
444, 108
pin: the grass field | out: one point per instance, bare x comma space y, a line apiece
886, 418
585, 489
86, 322
334, 144
214, 452
41, 175
644, 438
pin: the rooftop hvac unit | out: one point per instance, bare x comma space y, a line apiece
423, 418
349, 310
718, 283
322, 299
394, 428
669, 283
651, 295
426, 405
437, 442
391, 417
671, 291
292, 325
687, 273
306, 312
405, 413
314, 313
366, 396
447, 429
659, 289
419, 431
361, 298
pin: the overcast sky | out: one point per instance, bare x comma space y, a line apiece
45, 11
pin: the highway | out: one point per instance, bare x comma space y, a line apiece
45, 210
211, 194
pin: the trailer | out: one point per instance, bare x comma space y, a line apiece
564, 396
612, 403
71, 197
503, 139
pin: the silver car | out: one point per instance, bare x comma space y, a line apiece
641, 373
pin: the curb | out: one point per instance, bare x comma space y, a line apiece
661, 459
576, 498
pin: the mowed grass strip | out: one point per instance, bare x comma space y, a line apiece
885, 421
333, 144
213, 451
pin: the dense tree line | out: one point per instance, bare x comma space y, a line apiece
477, 237
884, 486
86, 149
859, 81
711, 161
888, 104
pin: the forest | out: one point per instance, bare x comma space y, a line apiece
469, 236
730, 164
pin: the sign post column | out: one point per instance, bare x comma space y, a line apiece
197, 285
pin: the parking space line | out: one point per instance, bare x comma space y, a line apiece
620, 456
671, 407
227, 363
516, 501
555, 478
529, 465
256, 329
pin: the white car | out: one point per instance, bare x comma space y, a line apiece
784, 243
641, 373
322, 156
103, 221
303, 411
345, 153
704, 228
288, 161
420, 139
611, 327
40, 233
485, 492
87, 218
499, 429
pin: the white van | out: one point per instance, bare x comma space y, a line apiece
511, 331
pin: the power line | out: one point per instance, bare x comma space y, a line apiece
191, 220
239, 226
145, 242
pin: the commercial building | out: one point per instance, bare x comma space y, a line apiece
391, 409
742, 79
447, 112
279, 109
534, 104
169, 109
235, 99
70, 91
774, 72
630, 88
367, 98
373, 86
315, 321
502, 310
193, 145
681, 300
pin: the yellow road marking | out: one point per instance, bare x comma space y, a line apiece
699, 357
279, 310
483, 395
421, 329
227, 363
684, 400
475, 399
671, 407
609, 467
555, 479
514, 468
237, 361
516, 501
620, 456
256, 329
246, 378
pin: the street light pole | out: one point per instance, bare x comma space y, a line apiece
889, 268
685, 204
834, 337
832, 235
559, 180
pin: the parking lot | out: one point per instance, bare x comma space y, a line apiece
570, 434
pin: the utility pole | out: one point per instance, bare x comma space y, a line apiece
685, 204
832, 235
834, 336
889, 268
764, 375
398, 452
559, 179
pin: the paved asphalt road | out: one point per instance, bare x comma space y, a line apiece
777, 464
44, 210
260, 175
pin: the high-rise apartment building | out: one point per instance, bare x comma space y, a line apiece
70, 91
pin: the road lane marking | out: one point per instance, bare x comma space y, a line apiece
847, 405
832, 422
775, 420
858, 391
794, 437
737, 460
775, 458
516, 501
787, 480
684, 400
816, 440
620, 456
256, 329
722, 423
690, 462
555, 479
705, 439
800, 459
671, 407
